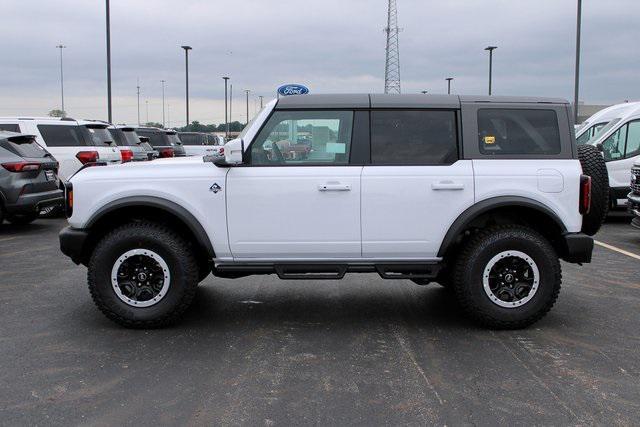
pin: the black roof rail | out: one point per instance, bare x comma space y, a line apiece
68, 119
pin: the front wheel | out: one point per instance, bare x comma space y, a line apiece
507, 277
142, 275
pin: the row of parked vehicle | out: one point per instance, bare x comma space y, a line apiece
37, 153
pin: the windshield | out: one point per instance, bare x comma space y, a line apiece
100, 136
118, 136
248, 126
604, 129
173, 138
156, 138
23, 147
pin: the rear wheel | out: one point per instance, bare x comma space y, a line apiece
593, 165
143, 275
22, 219
507, 277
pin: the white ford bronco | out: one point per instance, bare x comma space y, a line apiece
483, 195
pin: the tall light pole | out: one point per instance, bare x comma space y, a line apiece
163, 124
146, 102
60, 46
230, 102
138, 92
169, 115
448, 79
577, 81
261, 98
226, 108
108, 64
490, 49
186, 68
246, 91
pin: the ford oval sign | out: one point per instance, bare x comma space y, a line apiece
287, 90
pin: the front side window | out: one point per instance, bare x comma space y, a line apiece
304, 137
64, 136
413, 137
613, 146
518, 132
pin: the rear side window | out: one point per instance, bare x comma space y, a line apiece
100, 136
10, 127
118, 137
413, 137
63, 136
518, 131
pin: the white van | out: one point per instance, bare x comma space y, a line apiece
590, 127
620, 140
70, 143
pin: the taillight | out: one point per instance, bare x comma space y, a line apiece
87, 156
68, 199
126, 155
221, 151
585, 194
166, 152
21, 166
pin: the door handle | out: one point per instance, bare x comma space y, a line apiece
334, 187
447, 185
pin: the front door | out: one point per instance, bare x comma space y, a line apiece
296, 197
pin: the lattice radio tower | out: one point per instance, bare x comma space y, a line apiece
392, 66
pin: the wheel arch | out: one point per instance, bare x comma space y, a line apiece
148, 208
504, 210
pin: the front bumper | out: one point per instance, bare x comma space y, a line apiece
35, 202
72, 242
577, 247
634, 208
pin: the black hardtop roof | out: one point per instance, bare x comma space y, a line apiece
379, 100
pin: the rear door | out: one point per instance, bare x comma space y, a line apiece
416, 185
285, 204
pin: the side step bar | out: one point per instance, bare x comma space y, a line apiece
318, 271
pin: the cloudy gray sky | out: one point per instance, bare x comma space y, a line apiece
329, 45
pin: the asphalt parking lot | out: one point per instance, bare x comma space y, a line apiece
365, 351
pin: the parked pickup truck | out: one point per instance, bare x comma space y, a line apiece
483, 195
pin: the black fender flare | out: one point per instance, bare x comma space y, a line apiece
163, 204
486, 205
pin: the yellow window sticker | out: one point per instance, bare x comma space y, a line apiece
489, 139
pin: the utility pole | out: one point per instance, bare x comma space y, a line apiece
163, 124
186, 68
392, 64
490, 49
60, 46
246, 91
577, 80
226, 108
138, 91
448, 79
108, 64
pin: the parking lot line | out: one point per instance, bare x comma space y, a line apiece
613, 248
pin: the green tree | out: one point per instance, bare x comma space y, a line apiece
57, 113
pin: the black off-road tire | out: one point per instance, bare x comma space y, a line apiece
475, 256
173, 249
1, 214
22, 219
593, 165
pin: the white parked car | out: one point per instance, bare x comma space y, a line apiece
71, 144
484, 195
620, 142
201, 144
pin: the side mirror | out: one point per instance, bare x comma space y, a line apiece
233, 151
600, 147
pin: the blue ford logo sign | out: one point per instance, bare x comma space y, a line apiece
286, 90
